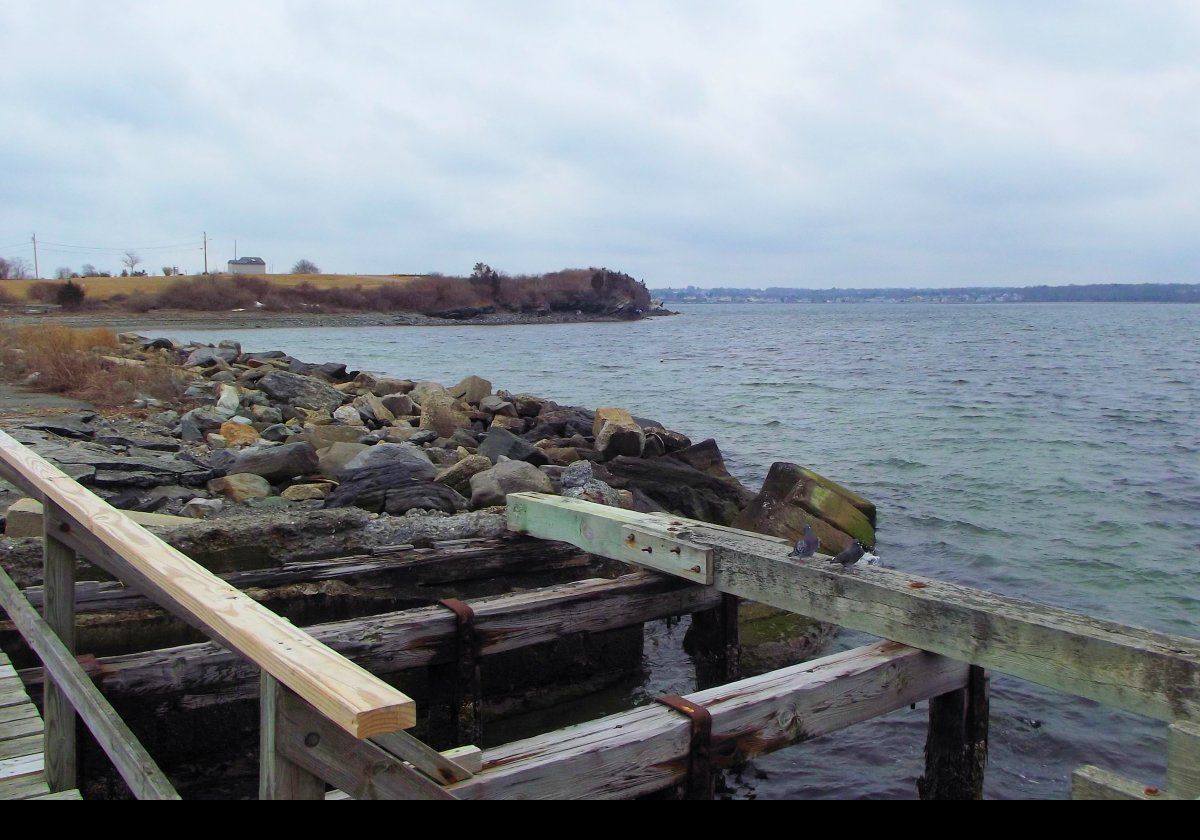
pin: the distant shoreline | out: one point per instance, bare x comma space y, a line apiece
187, 319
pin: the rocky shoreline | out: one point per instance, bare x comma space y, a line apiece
256, 319
325, 459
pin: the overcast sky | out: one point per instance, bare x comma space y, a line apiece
807, 144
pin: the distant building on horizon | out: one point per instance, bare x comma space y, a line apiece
247, 265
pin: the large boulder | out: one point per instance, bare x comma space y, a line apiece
443, 414
332, 460
413, 457
381, 386
679, 487
372, 408
400, 405
458, 476
561, 422
323, 436
348, 415
787, 502
501, 443
423, 495
300, 391
497, 405
617, 433
491, 487
471, 390
369, 488
278, 463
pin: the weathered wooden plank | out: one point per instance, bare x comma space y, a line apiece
1183, 761
11, 714
644, 750
470, 758
134, 764
24, 787
393, 642
360, 768
62, 794
278, 776
59, 575
31, 725
22, 766
357, 701
425, 758
658, 547
1141, 671
18, 747
1094, 783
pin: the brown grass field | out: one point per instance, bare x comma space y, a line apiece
102, 288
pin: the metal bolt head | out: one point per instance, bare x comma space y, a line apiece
312, 739
64, 527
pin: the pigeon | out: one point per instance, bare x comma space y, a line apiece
851, 555
807, 546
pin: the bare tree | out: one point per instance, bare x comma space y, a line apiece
131, 260
305, 267
89, 270
63, 273
13, 269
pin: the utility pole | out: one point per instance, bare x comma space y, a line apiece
36, 274
206, 252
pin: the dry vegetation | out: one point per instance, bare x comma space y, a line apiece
586, 290
80, 363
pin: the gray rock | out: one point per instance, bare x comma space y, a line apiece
458, 477
301, 391
332, 460
490, 487
395, 453
168, 419
278, 463
503, 443
266, 414
400, 405
276, 432
208, 356
423, 495
198, 422
498, 405
202, 508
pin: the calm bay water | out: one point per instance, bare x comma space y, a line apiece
1045, 452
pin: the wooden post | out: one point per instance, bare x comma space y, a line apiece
957, 744
279, 777
715, 643
58, 569
1183, 760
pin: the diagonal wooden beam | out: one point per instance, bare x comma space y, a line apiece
1142, 671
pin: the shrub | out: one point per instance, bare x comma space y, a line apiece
42, 291
70, 295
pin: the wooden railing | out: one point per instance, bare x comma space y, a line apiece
300, 676
1142, 671
325, 720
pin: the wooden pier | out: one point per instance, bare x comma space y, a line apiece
22, 763
331, 728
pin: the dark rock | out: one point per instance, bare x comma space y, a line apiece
329, 371
367, 488
68, 427
673, 441
561, 422
301, 391
276, 432
423, 495
679, 487
503, 443
278, 463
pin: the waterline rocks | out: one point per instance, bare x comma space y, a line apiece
793, 497
301, 391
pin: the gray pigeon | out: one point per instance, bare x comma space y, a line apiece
851, 555
807, 546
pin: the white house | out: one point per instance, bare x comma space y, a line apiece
247, 265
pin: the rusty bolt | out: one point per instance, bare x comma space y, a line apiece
1152, 791
312, 739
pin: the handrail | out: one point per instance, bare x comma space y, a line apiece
121, 746
1142, 671
355, 700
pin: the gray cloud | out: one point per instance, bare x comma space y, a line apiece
850, 143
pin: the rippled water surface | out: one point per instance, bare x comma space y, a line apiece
1044, 452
